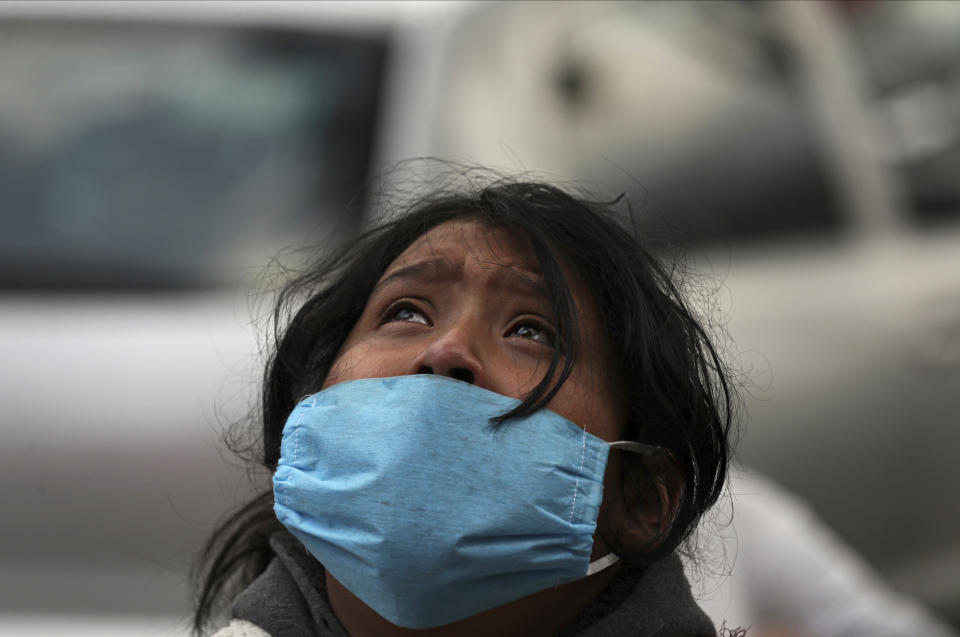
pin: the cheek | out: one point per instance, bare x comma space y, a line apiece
591, 398
594, 411
363, 361
509, 376
602, 420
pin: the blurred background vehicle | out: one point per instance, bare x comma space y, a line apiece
154, 156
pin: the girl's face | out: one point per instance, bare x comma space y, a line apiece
466, 300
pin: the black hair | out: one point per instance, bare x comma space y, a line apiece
671, 377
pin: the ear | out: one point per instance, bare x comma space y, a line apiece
642, 496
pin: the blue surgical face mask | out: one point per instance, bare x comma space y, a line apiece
409, 497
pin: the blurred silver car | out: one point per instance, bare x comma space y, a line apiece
154, 156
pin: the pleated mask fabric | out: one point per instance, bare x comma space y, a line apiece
420, 507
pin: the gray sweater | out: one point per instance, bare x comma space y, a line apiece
289, 599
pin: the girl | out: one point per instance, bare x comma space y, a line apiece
493, 415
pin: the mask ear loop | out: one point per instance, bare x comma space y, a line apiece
602, 563
636, 447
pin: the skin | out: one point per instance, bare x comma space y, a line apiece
465, 301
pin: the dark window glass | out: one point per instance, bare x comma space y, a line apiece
138, 156
910, 52
695, 110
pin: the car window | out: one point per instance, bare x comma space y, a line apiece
911, 58
152, 155
691, 109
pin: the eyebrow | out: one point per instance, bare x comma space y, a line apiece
441, 270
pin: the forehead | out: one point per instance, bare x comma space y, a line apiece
463, 242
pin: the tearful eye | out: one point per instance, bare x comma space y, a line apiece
409, 314
534, 332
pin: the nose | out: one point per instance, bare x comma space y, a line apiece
452, 354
